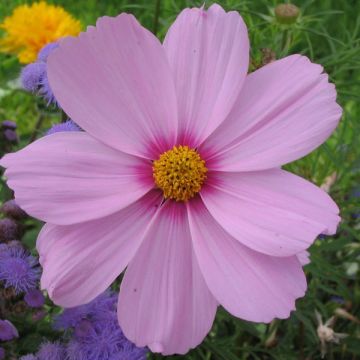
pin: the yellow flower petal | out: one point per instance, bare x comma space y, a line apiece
31, 27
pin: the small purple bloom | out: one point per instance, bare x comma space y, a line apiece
66, 126
13, 210
7, 331
8, 124
18, 269
46, 50
96, 332
11, 135
34, 298
53, 351
45, 90
32, 75
9, 230
100, 309
99, 344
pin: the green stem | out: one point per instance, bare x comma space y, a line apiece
156, 16
37, 127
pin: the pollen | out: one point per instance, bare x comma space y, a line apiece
180, 173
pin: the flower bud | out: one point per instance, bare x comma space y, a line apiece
8, 124
12, 210
34, 298
7, 331
11, 136
9, 230
287, 13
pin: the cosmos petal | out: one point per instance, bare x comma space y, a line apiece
250, 285
271, 211
208, 51
69, 177
80, 261
114, 81
285, 110
303, 257
164, 302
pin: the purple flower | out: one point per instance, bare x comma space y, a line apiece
13, 210
45, 90
66, 126
11, 135
8, 124
104, 342
32, 75
100, 309
46, 50
51, 351
96, 332
7, 331
2, 353
9, 230
83, 328
34, 298
18, 269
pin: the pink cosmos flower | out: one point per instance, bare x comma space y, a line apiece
177, 176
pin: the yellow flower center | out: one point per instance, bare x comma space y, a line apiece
179, 173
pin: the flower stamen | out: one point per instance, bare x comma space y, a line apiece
180, 173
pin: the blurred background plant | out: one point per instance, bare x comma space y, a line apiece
326, 322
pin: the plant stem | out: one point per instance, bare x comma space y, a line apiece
37, 127
156, 16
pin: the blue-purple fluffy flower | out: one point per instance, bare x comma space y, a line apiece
34, 76
18, 269
51, 351
65, 126
96, 334
100, 309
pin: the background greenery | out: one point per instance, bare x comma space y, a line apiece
328, 33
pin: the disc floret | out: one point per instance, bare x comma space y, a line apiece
180, 173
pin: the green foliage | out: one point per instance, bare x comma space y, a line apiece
328, 32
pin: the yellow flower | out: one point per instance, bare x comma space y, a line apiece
30, 28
